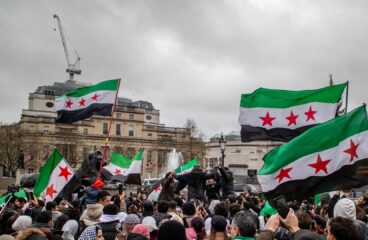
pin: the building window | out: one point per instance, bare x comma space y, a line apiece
30, 170
45, 150
104, 128
118, 115
237, 150
254, 159
46, 129
130, 152
131, 116
148, 117
149, 156
161, 159
85, 131
149, 134
149, 173
118, 130
131, 131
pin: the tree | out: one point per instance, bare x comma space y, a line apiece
195, 144
10, 146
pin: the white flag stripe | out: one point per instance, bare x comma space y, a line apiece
135, 167
57, 182
104, 97
301, 170
251, 116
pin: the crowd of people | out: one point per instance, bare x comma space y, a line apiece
211, 211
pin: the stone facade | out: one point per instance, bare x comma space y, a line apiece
134, 125
244, 159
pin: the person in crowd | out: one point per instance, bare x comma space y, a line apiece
109, 222
142, 230
162, 208
213, 187
91, 233
147, 208
130, 222
244, 226
22, 223
31, 233
167, 191
171, 230
227, 181
195, 180
340, 228
44, 222
152, 227
218, 229
197, 224
59, 223
69, 230
93, 212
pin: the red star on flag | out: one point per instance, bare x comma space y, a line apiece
158, 188
50, 191
310, 114
69, 104
352, 150
95, 97
267, 120
82, 102
320, 165
292, 118
117, 171
64, 172
284, 173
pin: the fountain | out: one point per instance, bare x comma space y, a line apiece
173, 160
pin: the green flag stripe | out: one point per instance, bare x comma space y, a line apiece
43, 178
123, 161
20, 194
272, 98
190, 164
111, 85
120, 160
326, 136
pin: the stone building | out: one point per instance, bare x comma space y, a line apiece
244, 159
135, 125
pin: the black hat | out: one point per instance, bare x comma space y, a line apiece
110, 209
219, 223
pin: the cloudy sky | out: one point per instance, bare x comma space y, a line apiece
192, 58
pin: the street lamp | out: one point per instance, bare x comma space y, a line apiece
222, 143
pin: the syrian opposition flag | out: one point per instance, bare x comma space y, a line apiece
186, 168
155, 191
56, 179
281, 115
331, 156
124, 169
84, 102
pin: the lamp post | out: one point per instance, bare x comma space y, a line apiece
222, 143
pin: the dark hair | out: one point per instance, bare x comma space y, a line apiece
163, 206
232, 198
60, 221
102, 195
147, 206
222, 210
305, 220
361, 215
189, 208
171, 230
116, 200
179, 201
246, 223
172, 204
343, 228
44, 217
234, 208
197, 224
50, 205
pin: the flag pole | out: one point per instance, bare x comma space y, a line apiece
108, 132
347, 97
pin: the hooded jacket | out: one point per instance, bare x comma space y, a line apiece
91, 215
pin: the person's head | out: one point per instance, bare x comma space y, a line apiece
148, 206
231, 198
130, 222
150, 222
218, 224
244, 225
141, 229
345, 208
92, 232
305, 220
171, 230
234, 208
60, 221
189, 208
103, 198
222, 210
363, 200
44, 217
111, 210
163, 206
51, 206
172, 206
361, 215
13, 202
210, 181
340, 228
22, 223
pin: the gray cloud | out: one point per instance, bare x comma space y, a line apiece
191, 59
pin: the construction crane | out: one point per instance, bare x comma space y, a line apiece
72, 68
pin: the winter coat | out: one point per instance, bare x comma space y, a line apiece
196, 182
110, 229
213, 190
160, 216
227, 182
167, 192
90, 216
